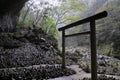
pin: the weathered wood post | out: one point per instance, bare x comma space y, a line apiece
93, 51
63, 49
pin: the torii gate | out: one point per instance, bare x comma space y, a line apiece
92, 33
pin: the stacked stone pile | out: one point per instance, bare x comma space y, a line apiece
37, 73
27, 47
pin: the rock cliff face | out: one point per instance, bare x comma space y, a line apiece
27, 47
9, 13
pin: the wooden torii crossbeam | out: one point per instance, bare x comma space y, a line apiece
92, 33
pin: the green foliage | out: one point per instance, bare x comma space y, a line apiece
71, 18
110, 29
114, 63
74, 5
26, 18
50, 27
40, 18
108, 49
73, 8
110, 5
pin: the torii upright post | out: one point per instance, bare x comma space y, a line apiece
63, 49
93, 50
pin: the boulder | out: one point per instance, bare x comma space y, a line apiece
85, 66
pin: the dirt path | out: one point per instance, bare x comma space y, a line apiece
80, 74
